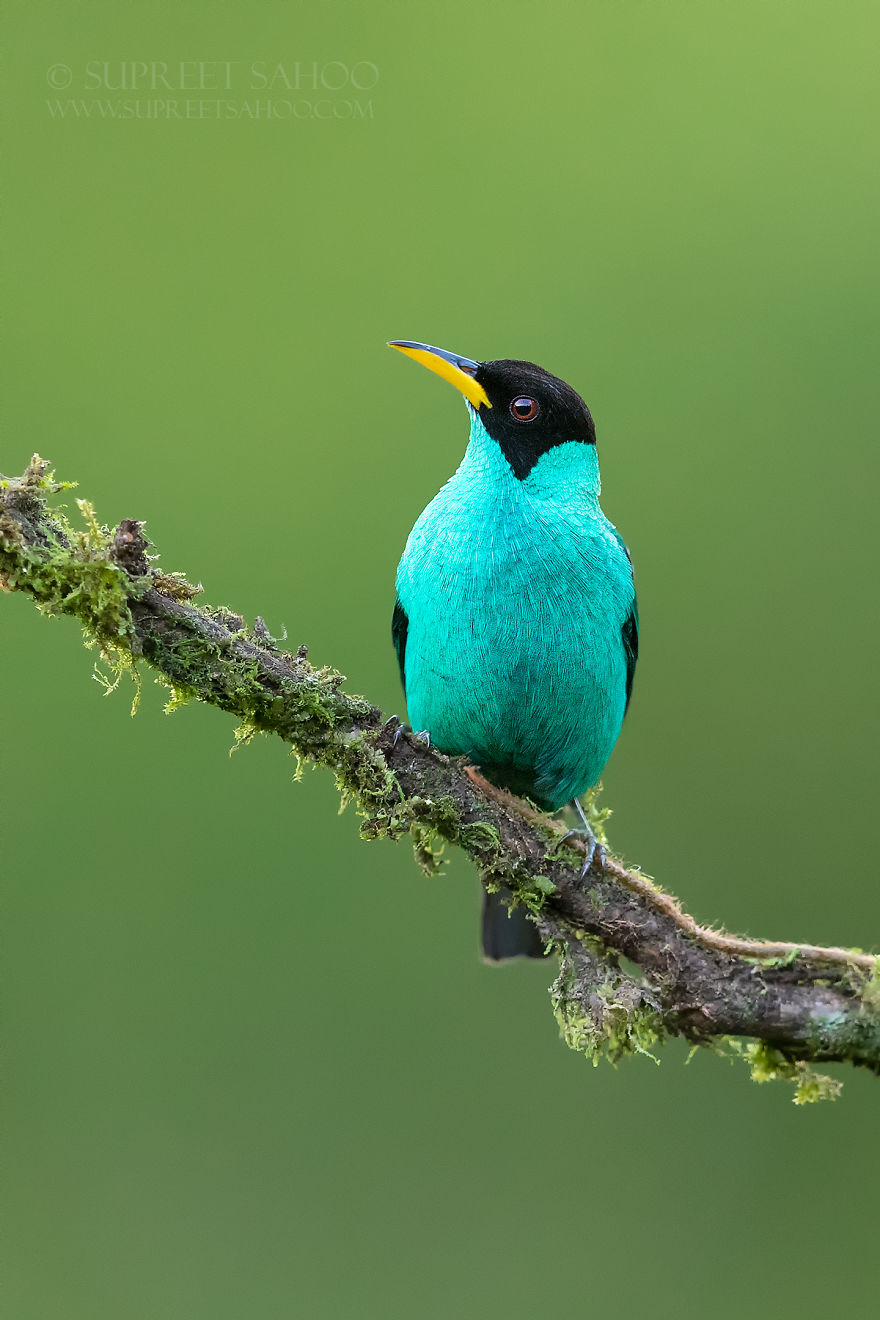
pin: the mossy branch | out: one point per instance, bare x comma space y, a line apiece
790, 1004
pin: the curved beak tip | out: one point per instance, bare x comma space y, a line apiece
459, 371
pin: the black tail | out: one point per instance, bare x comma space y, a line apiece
506, 933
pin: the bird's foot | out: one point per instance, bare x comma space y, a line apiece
594, 849
424, 735
395, 719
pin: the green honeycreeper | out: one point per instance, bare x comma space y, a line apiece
515, 624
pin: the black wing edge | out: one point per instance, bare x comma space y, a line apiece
630, 636
399, 629
629, 633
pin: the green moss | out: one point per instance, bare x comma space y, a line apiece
362, 774
785, 960
613, 1031
480, 835
530, 892
243, 734
561, 851
428, 848
119, 663
38, 476
810, 1086
179, 694
767, 1064
71, 571
867, 986
610, 1019
596, 815
430, 821
177, 587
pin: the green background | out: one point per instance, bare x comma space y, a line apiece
253, 1066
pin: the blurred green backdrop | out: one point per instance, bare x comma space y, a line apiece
253, 1067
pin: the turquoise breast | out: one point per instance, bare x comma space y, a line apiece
516, 594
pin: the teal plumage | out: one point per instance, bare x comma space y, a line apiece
516, 624
517, 593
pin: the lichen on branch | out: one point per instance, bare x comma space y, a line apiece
635, 969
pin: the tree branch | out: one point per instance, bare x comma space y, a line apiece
794, 1003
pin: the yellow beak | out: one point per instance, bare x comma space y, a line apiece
459, 371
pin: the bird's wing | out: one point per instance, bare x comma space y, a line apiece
629, 633
630, 636
399, 629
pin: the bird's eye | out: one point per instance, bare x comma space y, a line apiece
524, 409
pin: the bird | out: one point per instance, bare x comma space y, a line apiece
515, 621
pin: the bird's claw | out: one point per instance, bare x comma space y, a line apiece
594, 849
424, 735
395, 719
596, 858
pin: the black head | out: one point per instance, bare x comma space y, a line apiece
531, 412
523, 408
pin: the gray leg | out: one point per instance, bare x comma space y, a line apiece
595, 850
